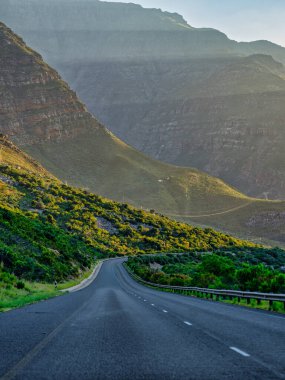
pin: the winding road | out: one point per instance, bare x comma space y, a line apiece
118, 329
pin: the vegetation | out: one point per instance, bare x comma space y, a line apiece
241, 268
50, 232
17, 293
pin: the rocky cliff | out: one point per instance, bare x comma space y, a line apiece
183, 95
35, 104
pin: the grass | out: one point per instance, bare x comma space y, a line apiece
74, 282
12, 298
263, 305
133, 177
259, 221
11, 155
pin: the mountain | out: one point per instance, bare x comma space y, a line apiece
119, 31
187, 96
40, 114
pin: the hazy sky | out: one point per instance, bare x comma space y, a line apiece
242, 20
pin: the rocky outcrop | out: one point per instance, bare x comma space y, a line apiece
35, 104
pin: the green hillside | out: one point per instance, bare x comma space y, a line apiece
53, 231
50, 231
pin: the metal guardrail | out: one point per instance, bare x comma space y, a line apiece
217, 292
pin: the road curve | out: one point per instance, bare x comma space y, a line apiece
119, 329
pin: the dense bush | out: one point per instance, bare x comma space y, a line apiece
219, 270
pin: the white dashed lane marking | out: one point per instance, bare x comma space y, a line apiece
240, 351
188, 323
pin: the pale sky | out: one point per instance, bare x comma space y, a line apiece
241, 20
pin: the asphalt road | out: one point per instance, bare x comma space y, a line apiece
118, 329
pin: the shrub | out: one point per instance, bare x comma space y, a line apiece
20, 285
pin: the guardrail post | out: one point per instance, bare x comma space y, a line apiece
258, 301
248, 300
270, 304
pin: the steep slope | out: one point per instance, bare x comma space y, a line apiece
10, 154
183, 95
53, 231
41, 114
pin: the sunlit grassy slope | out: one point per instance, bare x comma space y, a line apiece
11, 155
50, 231
104, 164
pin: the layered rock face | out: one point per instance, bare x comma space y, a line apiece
35, 104
183, 95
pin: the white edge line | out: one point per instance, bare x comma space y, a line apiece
240, 351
